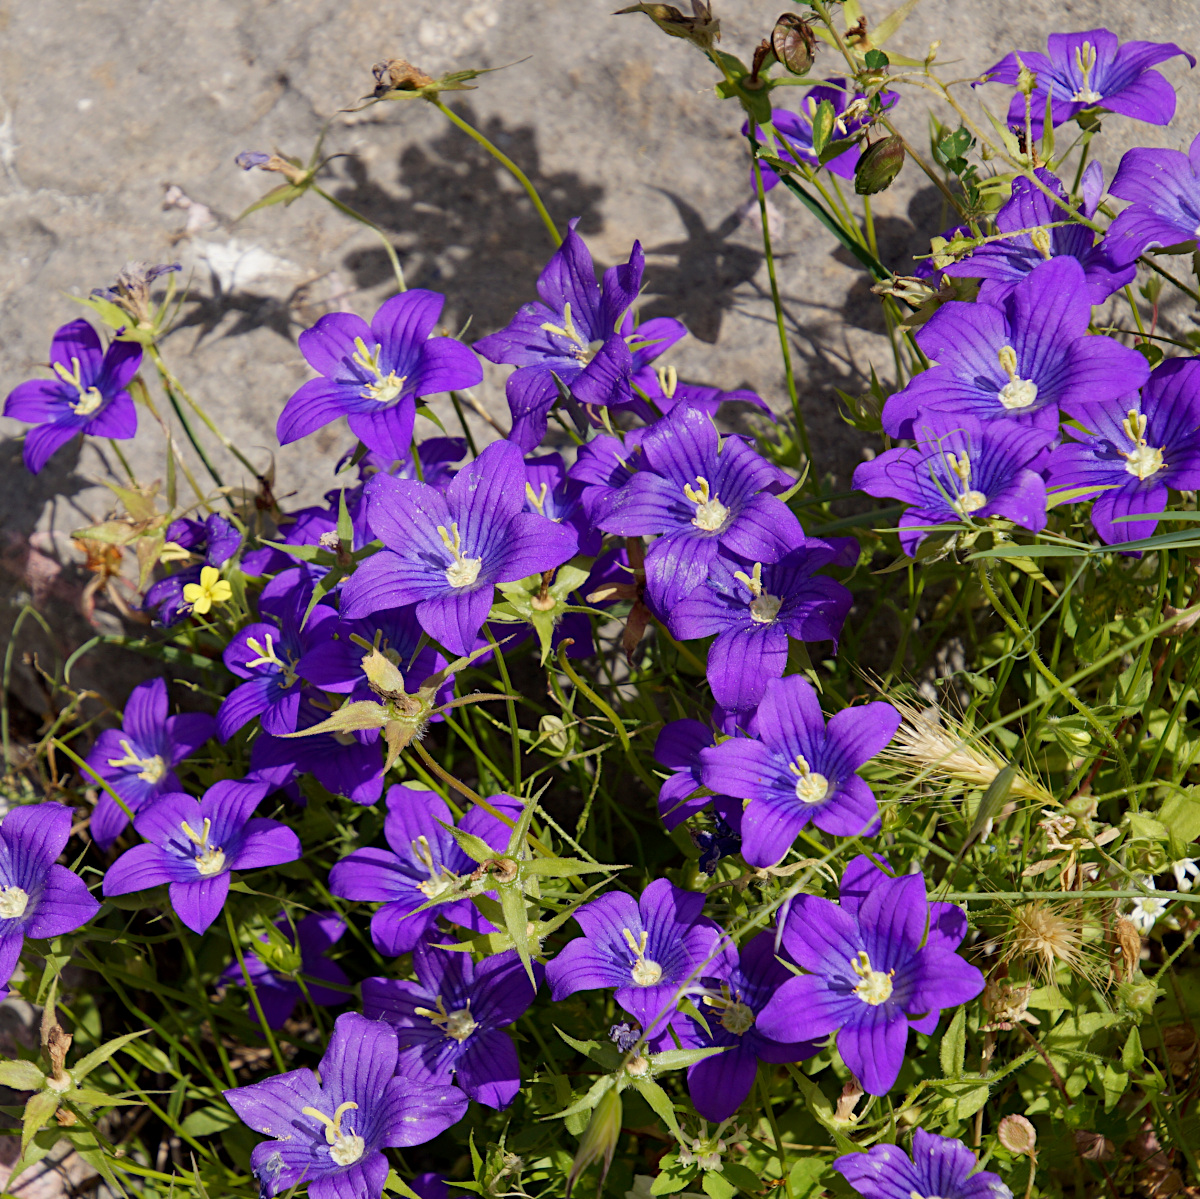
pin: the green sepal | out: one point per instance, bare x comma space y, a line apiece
39, 1108
21, 1076
87, 1064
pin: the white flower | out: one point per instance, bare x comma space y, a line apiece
1145, 911
1187, 870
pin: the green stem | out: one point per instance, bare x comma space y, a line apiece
513, 728
116, 449
393, 258
516, 172
266, 1028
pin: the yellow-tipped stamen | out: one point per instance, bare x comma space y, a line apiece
668, 380
537, 498
457, 1025
386, 387
736, 1017
152, 769
811, 788
89, 399
764, 607
211, 859
968, 500
876, 987
463, 571
711, 514
1143, 460
344, 1147
1085, 60
1017, 394
646, 973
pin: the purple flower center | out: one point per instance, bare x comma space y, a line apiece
736, 1016
875, 987
440, 879
152, 768
1143, 460
968, 500
89, 399
210, 859
645, 973
13, 902
385, 388
344, 1147
1017, 394
811, 788
457, 1025
584, 351
711, 514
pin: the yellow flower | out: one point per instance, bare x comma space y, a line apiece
212, 589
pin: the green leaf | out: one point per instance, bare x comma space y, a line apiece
1181, 815
969, 1102
205, 1121
93, 1098
1132, 1055
822, 125
742, 1177
876, 60
476, 848
398, 1186
717, 1186
563, 867
86, 1065
516, 922
954, 1045
658, 1099
38, 1110
606, 1055
677, 1059
1115, 1084
600, 1138
805, 1176
672, 1177
21, 1076
1146, 828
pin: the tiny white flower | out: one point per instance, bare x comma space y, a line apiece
1145, 910
1187, 871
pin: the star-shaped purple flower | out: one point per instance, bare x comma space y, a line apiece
421, 864
962, 467
373, 374
938, 1166
795, 769
698, 494
330, 1134
87, 395
38, 898
445, 553
652, 950
605, 464
883, 959
549, 493
1019, 360
1003, 264
1163, 187
1137, 449
678, 748
451, 1020
194, 845
276, 983
753, 609
719, 1085
1089, 69
215, 540
137, 759
573, 332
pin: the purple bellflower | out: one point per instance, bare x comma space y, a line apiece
266, 655
137, 760
374, 373
330, 1134
573, 332
437, 456
961, 467
274, 970
1017, 361
214, 540
1090, 69
652, 950
719, 1085
938, 1166
882, 960
1003, 264
1163, 187
605, 464
451, 1021
549, 493
796, 769
753, 609
678, 749
38, 898
194, 845
699, 495
87, 395
421, 864
795, 133
1137, 449
445, 553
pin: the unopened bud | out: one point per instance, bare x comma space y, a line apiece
1041, 242
701, 28
1017, 1135
599, 1139
553, 730
1026, 81
396, 75
1139, 994
931, 54
794, 44
878, 167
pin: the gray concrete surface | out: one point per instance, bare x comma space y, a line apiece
120, 119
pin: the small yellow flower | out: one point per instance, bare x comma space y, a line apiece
212, 589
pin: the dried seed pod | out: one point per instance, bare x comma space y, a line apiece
397, 75
1017, 1135
793, 42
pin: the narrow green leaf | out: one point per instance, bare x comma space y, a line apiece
954, 1044
660, 1101
40, 1107
86, 1065
888, 26
1132, 1055
516, 922
677, 1059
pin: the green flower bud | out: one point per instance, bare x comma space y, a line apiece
1139, 994
599, 1139
878, 167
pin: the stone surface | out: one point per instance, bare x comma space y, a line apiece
119, 122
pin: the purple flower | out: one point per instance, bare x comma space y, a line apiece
574, 332
883, 959
753, 609
1163, 187
373, 374
87, 395
436, 455
794, 130
422, 863
1003, 264
214, 539
796, 769
194, 845
1086, 69
445, 553
927, 267
1137, 449
276, 983
719, 1085
1018, 360
37, 897
348, 764
450, 1020
266, 655
549, 493
938, 1166
605, 464
652, 950
330, 1134
961, 467
678, 749
698, 494
136, 760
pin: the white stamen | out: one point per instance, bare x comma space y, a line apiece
811, 788
13, 902
386, 387
462, 572
344, 1147
711, 514
1017, 393
645, 972
876, 987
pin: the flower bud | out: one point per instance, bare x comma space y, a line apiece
599, 1139
1017, 1135
878, 167
701, 28
1026, 81
552, 729
793, 43
396, 75
1139, 995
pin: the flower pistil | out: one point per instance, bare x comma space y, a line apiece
13, 902
152, 768
646, 973
764, 607
1143, 460
1017, 393
344, 1147
458, 1025
711, 514
89, 399
211, 858
463, 571
1085, 60
386, 387
876, 987
811, 788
